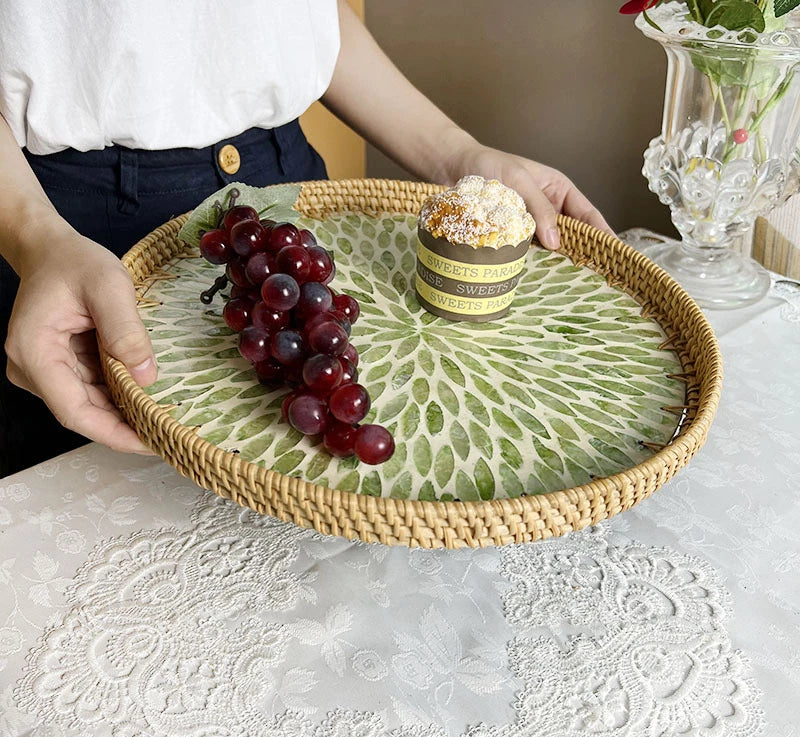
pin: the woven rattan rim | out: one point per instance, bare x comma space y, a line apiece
440, 524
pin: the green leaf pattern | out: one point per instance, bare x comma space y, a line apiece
563, 389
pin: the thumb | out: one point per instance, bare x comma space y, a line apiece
120, 330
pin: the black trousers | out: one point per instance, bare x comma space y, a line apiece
115, 197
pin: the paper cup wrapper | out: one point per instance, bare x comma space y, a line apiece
459, 282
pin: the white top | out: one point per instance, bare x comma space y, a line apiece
153, 74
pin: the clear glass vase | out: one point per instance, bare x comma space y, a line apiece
728, 149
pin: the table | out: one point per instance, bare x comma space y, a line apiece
134, 603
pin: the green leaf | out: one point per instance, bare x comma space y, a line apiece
420, 391
465, 488
406, 347
448, 398
434, 418
371, 485
452, 370
423, 457
278, 200
427, 493
480, 439
507, 425
476, 408
256, 448
736, 15
488, 391
484, 480
509, 453
396, 463
512, 486
425, 360
460, 440
410, 422
239, 412
289, 462
349, 482
288, 442
443, 465
402, 374
393, 408
401, 488
202, 417
319, 464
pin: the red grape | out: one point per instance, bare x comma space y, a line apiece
321, 263
254, 344
374, 444
247, 292
282, 234
349, 371
307, 238
294, 261
350, 353
288, 347
269, 371
308, 414
322, 374
341, 318
259, 267
287, 400
328, 337
237, 214
315, 298
237, 313
235, 271
314, 320
347, 305
294, 376
247, 237
270, 320
280, 292
215, 247
349, 403
339, 439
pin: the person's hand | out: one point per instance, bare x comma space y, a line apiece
77, 287
546, 191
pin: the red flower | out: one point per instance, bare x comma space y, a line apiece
637, 6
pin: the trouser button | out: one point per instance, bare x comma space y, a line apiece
229, 159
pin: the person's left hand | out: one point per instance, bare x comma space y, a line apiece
545, 190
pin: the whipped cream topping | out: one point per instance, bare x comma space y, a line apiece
478, 212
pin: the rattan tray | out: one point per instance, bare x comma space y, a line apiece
455, 523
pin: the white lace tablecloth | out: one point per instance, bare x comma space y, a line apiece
134, 603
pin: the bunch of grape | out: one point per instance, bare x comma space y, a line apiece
294, 329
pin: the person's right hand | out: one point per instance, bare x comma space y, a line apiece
71, 289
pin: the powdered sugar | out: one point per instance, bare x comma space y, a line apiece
478, 212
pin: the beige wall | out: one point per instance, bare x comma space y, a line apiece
569, 83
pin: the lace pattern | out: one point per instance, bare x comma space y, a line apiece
232, 627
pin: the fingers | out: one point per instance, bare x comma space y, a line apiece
121, 331
578, 206
540, 207
85, 409
81, 407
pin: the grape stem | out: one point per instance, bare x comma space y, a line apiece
219, 283
220, 212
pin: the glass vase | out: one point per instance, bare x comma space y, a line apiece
728, 149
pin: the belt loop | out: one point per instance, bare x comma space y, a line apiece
128, 202
284, 136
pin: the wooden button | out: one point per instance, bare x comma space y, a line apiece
229, 159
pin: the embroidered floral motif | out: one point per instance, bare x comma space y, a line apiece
228, 627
